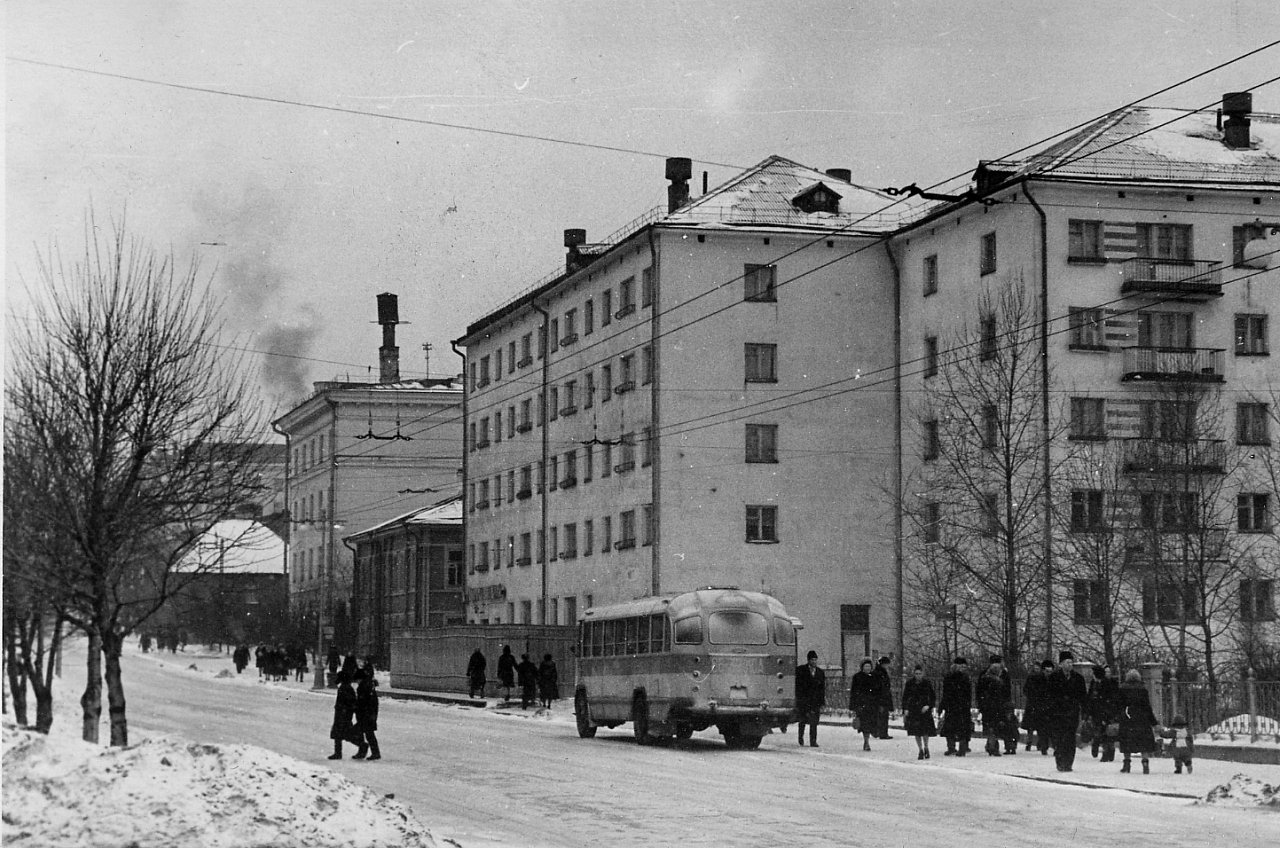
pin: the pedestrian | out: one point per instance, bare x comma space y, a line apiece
1179, 744
811, 695
1066, 694
334, 658
240, 657
344, 712
146, 642
1137, 722
299, 662
1035, 712
507, 670
957, 701
995, 703
366, 709
864, 702
1104, 704
475, 674
527, 675
884, 697
918, 701
548, 681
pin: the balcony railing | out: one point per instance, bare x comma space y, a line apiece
1190, 365
1158, 456
1179, 279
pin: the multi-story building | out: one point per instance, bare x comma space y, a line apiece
1143, 244
666, 412
360, 454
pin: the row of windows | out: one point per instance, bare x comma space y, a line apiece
1168, 602
1168, 420
1174, 330
562, 470
1171, 511
563, 331
526, 611
309, 454
566, 541
309, 510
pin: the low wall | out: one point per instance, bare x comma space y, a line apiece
434, 659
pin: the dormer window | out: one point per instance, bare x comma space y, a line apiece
817, 198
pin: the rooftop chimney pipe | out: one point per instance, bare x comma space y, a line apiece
679, 170
573, 256
1236, 106
388, 354
841, 174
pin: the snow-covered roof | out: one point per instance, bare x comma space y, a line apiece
441, 514
236, 546
1157, 144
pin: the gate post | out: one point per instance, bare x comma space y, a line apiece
1153, 678
1251, 689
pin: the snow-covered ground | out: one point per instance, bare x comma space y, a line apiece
227, 760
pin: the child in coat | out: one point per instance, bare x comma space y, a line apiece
1179, 744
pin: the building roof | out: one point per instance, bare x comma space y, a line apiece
236, 546
1156, 144
446, 513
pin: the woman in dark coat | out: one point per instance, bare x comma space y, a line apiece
548, 681
864, 702
507, 670
995, 703
957, 701
475, 674
367, 714
918, 700
527, 674
344, 711
1034, 714
1137, 721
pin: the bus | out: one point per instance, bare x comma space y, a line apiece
676, 664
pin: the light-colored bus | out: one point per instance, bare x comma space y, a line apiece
675, 664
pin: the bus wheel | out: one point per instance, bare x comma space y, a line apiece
582, 712
749, 743
640, 719
731, 737
684, 731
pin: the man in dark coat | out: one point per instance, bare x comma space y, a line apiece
811, 695
475, 674
366, 710
995, 702
548, 681
884, 697
957, 700
1066, 695
507, 670
864, 702
1036, 709
344, 711
240, 658
527, 676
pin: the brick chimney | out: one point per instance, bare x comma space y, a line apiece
1236, 106
388, 354
679, 170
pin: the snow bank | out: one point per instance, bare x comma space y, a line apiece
60, 791
1244, 791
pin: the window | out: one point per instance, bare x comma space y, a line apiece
647, 524
626, 529
1084, 241
930, 274
1256, 602
475, 376
1088, 419
626, 297
497, 365
1251, 335
1167, 602
688, 631
1166, 329
570, 401
1087, 329
759, 283
1169, 511
542, 341
526, 415
987, 263
526, 549
1253, 515
526, 612
990, 428
473, 436
990, 505
588, 537
987, 344
628, 459
647, 449
606, 383
646, 287
762, 443
497, 426
606, 533
511, 486
646, 367
762, 523
930, 449
1164, 241
626, 374
930, 356
542, 476
589, 317
1090, 601
606, 459
606, 311
511, 422
570, 327
554, 469
588, 461
554, 402
526, 349
542, 547
1251, 424
570, 469
931, 522
1167, 420
1242, 235
554, 334
589, 391
1087, 510
761, 363
511, 357
737, 627
570, 541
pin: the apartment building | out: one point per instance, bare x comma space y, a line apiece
669, 410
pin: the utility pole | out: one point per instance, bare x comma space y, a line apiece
426, 355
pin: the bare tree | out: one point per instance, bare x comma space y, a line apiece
122, 395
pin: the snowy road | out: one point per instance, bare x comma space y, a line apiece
483, 778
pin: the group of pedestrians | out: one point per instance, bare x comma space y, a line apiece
355, 711
1117, 714
274, 662
538, 683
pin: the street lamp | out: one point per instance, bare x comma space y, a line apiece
326, 584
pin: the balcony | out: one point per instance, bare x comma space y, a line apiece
524, 427
624, 544
571, 338
1166, 364
624, 387
568, 482
524, 494
1158, 456
525, 362
626, 310
623, 467
524, 560
1192, 280
572, 409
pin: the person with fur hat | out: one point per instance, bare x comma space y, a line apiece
1066, 695
811, 695
957, 701
995, 702
1137, 722
1179, 743
864, 702
1035, 709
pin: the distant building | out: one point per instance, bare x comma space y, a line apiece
408, 573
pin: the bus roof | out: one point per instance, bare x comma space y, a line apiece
680, 602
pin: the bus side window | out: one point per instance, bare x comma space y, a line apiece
657, 632
689, 631
642, 634
631, 636
610, 628
597, 639
783, 632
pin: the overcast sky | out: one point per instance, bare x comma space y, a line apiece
301, 215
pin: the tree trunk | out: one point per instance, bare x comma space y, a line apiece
16, 671
91, 700
112, 644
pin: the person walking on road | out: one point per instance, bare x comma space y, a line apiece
811, 694
957, 701
864, 703
548, 681
366, 709
507, 671
527, 675
918, 700
1035, 711
995, 703
1137, 722
475, 674
1104, 706
240, 658
1066, 695
344, 712
885, 697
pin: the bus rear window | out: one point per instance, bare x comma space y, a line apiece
689, 631
784, 633
738, 627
